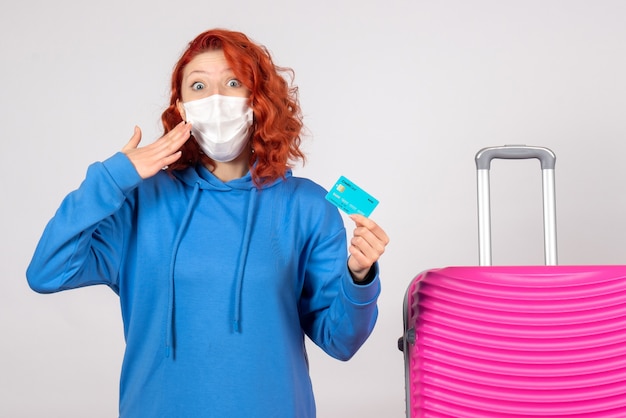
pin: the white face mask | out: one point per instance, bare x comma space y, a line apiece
220, 124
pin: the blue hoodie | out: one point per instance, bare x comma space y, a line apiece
218, 284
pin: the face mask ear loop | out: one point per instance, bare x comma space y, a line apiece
181, 110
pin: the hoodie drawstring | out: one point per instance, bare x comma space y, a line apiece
243, 255
169, 334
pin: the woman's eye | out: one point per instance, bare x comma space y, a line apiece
197, 86
234, 83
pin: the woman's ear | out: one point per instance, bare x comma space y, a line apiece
181, 109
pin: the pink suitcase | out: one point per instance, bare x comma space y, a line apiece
528, 341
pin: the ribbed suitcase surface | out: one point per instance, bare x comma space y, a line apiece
546, 341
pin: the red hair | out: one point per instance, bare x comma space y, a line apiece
277, 116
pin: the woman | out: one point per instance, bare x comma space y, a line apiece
223, 260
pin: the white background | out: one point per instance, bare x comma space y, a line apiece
398, 96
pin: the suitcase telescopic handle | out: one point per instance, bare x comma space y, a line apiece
483, 164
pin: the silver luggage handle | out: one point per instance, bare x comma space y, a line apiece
483, 165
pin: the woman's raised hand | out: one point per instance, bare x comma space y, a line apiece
150, 159
366, 246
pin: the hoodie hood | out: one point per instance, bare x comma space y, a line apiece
206, 180
201, 179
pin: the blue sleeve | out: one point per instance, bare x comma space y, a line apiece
337, 314
83, 244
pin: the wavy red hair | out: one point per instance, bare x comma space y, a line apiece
277, 117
